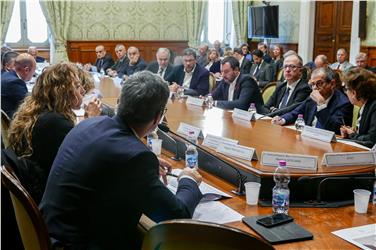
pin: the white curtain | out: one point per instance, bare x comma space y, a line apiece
196, 16
6, 8
240, 16
58, 17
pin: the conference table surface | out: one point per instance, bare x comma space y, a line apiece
267, 137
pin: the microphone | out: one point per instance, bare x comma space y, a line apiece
240, 190
165, 129
282, 110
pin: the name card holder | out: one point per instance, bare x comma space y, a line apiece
213, 141
306, 162
243, 115
319, 134
195, 101
185, 128
238, 151
363, 158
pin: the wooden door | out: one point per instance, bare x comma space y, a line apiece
332, 27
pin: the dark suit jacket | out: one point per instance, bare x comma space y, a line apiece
264, 75
13, 92
131, 69
96, 203
216, 67
246, 92
120, 65
339, 108
245, 67
105, 63
199, 83
40, 59
154, 67
367, 125
300, 93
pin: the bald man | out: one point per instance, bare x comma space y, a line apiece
136, 63
341, 63
103, 62
13, 83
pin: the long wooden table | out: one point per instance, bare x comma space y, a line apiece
264, 136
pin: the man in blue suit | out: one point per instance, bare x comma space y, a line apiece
327, 108
236, 90
191, 76
13, 83
104, 177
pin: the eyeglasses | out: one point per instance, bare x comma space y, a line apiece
291, 66
318, 83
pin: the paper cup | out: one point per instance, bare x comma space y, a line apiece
361, 199
252, 190
156, 146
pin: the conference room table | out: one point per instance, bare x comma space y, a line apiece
264, 136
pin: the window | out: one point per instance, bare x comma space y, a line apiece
28, 25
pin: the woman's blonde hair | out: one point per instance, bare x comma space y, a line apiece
87, 80
54, 91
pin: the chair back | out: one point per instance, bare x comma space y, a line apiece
212, 83
267, 91
279, 75
108, 88
5, 124
355, 115
30, 223
189, 234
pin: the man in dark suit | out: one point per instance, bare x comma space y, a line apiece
327, 107
8, 60
135, 64
32, 50
292, 91
262, 71
161, 66
262, 46
236, 90
103, 62
245, 64
361, 61
121, 63
202, 58
13, 83
96, 203
191, 76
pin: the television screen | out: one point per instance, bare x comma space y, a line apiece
263, 22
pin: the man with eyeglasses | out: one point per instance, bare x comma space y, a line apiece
327, 108
292, 91
162, 65
103, 62
97, 203
121, 63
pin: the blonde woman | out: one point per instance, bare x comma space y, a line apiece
45, 118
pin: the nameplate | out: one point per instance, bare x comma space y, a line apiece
243, 115
195, 101
238, 151
349, 159
213, 141
373, 148
185, 129
319, 134
307, 162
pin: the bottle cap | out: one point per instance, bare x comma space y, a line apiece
282, 163
300, 115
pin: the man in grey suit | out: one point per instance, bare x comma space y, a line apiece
161, 66
341, 63
262, 71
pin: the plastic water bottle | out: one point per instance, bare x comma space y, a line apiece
281, 191
374, 191
191, 154
150, 137
102, 72
209, 101
252, 108
299, 123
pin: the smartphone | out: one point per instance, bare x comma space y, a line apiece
274, 220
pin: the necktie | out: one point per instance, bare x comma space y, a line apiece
160, 71
256, 71
285, 97
338, 67
100, 64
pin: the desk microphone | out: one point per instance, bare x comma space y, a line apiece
240, 190
165, 129
282, 110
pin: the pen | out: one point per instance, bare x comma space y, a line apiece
173, 175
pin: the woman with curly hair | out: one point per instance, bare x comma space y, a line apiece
360, 86
44, 119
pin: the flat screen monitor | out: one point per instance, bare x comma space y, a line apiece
263, 22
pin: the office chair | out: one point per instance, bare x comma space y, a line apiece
268, 90
185, 234
30, 223
212, 83
355, 115
5, 123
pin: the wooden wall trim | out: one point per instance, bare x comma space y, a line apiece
84, 51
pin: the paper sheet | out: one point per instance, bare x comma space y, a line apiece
363, 236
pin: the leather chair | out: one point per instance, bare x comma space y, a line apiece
187, 234
268, 90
